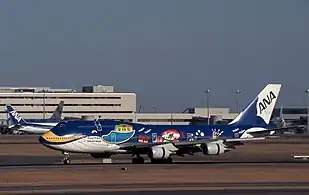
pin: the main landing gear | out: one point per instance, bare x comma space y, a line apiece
138, 160
66, 159
169, 160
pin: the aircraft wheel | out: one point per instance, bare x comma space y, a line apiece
156, 161
137, 161
66, 161
162, 161
169, 160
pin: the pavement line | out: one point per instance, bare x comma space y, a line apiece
230, 188
34, 186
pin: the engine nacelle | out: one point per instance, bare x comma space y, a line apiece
159, 153
214, 149
100, 155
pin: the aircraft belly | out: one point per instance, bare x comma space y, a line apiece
61, 147
85, 146
33, 129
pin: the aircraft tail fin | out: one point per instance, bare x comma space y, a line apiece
260, 110
58, 112
283, 123
14, 116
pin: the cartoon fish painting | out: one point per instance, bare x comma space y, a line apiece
120, 134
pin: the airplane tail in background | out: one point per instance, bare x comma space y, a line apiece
283, 123
14, 116
58, 112
260, 110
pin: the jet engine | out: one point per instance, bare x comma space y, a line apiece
213, 148
159, 153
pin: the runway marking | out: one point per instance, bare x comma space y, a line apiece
8, 187
130, 165
293, 161
135, 189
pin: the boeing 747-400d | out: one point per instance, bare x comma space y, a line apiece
104, 138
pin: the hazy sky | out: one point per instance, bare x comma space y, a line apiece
167, 51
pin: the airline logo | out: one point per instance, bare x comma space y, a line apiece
15, 115
266, 101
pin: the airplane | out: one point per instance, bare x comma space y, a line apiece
104, 138
40, 127
56, 117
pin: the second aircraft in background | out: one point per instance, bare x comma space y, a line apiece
34, 126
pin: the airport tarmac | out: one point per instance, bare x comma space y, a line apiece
255, 168
178, 178
196, 192
150, 177
25, 150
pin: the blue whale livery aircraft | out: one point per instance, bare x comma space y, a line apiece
104, 138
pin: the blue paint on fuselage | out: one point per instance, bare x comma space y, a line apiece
43, 120
151, 132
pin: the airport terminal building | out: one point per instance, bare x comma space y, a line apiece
91, 101
103, 102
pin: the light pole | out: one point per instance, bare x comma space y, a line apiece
237, 100
307, 102
43, 103
156, 110
207, 104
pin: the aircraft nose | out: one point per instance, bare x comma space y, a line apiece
42, 138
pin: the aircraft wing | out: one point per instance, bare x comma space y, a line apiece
253, 135
183, 144
271, 131
205, 141
14, 127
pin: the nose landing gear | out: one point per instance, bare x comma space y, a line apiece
66, 159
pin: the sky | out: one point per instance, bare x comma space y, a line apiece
166, 51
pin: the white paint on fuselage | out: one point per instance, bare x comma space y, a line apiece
247, 133
50, 124
35, 130
90, 144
